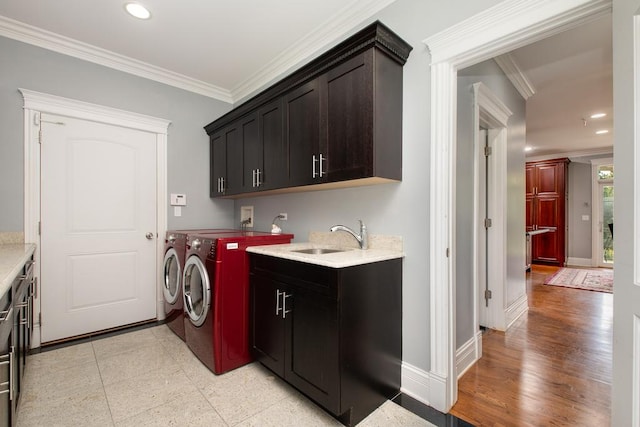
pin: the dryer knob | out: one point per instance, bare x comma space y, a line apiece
171, 238
196, 244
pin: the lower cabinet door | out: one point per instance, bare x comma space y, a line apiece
7, 364
267, 331
312, 346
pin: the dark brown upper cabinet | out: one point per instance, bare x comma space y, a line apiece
336, 120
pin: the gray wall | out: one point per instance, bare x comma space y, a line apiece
29, 67
624, 346
579, 204
492, 76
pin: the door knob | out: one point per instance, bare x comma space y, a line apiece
149, 236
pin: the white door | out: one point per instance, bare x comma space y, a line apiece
98, 215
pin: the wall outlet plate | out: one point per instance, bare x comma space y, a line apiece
283, 216
246, 213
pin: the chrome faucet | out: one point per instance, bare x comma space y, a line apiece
362, 238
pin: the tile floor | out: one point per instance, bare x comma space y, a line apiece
149, 377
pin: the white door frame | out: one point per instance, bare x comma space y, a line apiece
596, 210
506, 26
491, 113
36, 103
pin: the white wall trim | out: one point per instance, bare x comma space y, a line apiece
504, 27
516, 76
636, 166
415, 382
468, 354
515, 310
579, 262
36, 103
491, 113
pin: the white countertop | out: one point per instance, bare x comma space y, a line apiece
12, 258
348, 258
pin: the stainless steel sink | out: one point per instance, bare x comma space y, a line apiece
319, 251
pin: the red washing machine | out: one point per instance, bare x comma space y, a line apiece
215, 285
175, 248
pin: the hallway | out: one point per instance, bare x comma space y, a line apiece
553, 366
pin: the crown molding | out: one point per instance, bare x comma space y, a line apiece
348, 19
516, 76
454, 44
602, 151
317, 40
48, 40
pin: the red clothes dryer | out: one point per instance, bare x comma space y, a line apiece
175, 247
215, 285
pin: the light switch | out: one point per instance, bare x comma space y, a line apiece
585, 217
178, 200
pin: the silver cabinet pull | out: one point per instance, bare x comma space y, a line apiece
4, 315
313, 164
322, 172
253, 177
284, 305
258, 181
9, 383
222, 185
278, 293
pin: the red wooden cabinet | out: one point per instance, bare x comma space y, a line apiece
545, 209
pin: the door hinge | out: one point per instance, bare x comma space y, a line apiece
447, 253
487, 222
487, 150
40, 136
487, 294
39, 228
40, 318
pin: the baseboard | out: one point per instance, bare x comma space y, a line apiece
468, 354
579, 262
415, 382
515, 310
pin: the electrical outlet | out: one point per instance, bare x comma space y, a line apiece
246, 214
283, 216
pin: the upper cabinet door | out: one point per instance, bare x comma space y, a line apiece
218, 163
275, 173
251, 153
302, 134
347, 104
550, 180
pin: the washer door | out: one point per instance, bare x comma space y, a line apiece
172, 276
196, 290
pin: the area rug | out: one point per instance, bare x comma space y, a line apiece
600, 280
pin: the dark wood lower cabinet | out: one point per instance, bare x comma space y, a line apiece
334, 334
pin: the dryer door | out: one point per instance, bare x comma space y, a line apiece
172, 273
196, 290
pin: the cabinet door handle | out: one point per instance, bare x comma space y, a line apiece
258, 182
9, 383
284, 305
222, 185
313, 164
322, 172
253, 177
278, 302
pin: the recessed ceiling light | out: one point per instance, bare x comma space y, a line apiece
598, 115
137, 10
528, 148
601, 132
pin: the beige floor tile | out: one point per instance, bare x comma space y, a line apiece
42, 385
107, 347
244, 392
135, 362
85, 406
62, 358
291, 412
146, 391
390, 414
191, 410
163, 331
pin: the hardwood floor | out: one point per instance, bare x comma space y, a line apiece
553, 366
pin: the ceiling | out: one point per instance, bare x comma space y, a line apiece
229, 49
572, 78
